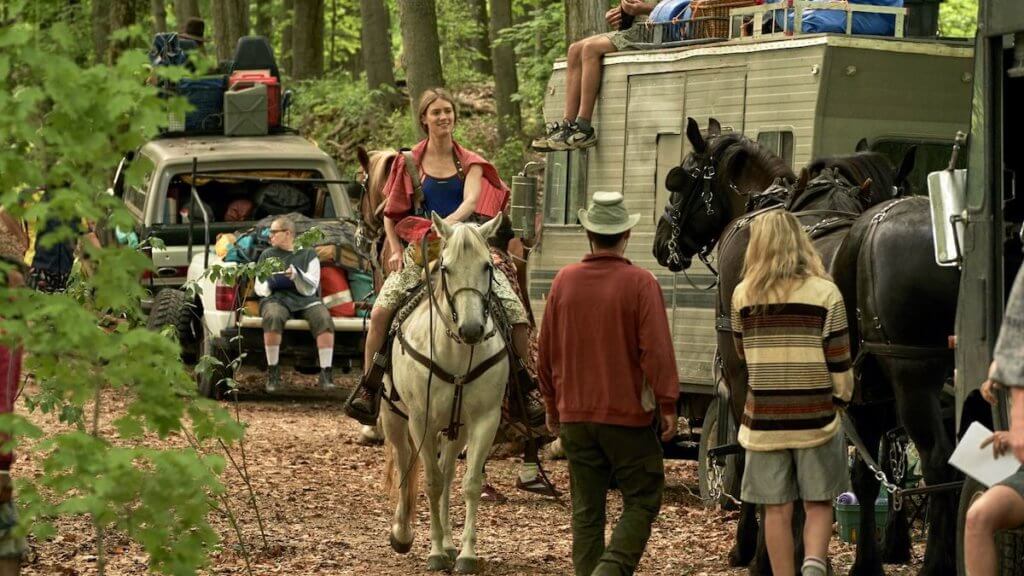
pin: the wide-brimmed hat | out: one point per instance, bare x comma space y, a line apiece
194, 29
607, 214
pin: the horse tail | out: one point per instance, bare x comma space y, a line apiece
389, 470
395, 484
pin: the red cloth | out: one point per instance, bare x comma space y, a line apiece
604, 330
398, 189
10, 377
337, 295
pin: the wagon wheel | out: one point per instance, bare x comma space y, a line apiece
1010, 543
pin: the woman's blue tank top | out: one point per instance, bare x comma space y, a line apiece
442, 195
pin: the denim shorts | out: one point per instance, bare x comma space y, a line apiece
815, 474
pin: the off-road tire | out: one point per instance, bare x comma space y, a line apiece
1010, 543
709, 440
172, 308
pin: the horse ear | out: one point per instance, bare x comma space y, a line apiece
693, 135
862, 146
488, 228
714, 127
364, 158
906, 167
865, 188
801, 183
442, 227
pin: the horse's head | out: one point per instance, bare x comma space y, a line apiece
872, 170
722, 177
467, 274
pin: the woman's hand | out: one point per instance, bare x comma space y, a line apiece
395, 261
1006, 441
988, 391
614, 17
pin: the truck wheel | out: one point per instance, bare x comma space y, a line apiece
172, 308
1010, 543
212, 383
709, 440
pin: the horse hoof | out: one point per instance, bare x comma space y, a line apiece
452, 553
439, 563
400, 547
467, 565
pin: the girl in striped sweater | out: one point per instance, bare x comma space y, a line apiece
790, 327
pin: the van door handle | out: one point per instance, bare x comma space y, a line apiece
166, 271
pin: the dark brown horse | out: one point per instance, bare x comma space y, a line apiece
706, 207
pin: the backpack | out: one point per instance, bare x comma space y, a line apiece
166, 50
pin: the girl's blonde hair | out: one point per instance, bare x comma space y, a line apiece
429, 96
779, 256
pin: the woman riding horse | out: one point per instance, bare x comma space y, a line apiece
456, 184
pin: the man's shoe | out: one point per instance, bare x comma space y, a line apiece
273, 379
577, 138
363, 404
326, 383
543, 143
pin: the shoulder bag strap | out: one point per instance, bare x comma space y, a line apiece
414, 175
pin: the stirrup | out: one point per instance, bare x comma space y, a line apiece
366, 415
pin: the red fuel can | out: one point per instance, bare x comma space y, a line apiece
242, 79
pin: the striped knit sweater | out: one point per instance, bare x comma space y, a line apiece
798, 360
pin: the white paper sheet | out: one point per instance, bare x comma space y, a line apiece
979, 463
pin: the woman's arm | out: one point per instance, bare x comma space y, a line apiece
394, 263
470, 195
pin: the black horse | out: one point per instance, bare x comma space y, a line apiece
890, 246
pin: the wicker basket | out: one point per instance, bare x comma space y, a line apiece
711, 17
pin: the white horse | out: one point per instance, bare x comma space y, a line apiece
452, 329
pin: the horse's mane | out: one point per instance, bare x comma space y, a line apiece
733, 147
857, 168
465, 240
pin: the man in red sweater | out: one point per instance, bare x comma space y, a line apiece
606, 365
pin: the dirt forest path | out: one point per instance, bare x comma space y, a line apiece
324, 511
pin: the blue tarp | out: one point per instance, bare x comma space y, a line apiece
835, 20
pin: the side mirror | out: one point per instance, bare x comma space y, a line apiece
524, 201
947, 194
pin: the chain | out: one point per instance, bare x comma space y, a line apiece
716, 483
895, 492
898, 458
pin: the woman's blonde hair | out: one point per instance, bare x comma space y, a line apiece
779, 255
429, 96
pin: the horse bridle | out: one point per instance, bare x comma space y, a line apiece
702, 176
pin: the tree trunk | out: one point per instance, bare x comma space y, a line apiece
101, 28
286, 36
584, 18
185, 9
159, 15
375, 39
481, 44
506, 84
265, 19
421, 52
230, 22
122, 15
308, 43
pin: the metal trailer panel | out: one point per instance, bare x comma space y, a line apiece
760, 88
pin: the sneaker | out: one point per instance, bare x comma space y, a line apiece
538, 486
273, 379
543, 143
576, 138
363, 404
326, 383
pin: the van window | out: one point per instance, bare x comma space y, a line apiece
780, 142
135, 194
565, 187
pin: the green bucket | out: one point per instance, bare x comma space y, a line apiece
848, 516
